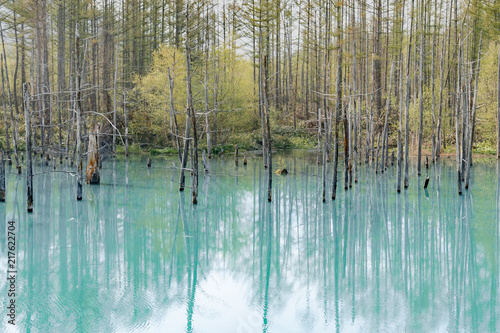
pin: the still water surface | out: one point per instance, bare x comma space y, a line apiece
136, 256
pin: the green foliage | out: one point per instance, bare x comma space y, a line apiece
487, 96
484, 148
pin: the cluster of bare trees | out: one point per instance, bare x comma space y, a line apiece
366, 76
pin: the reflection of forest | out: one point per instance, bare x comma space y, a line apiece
371, 261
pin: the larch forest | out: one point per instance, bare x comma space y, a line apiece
362, 79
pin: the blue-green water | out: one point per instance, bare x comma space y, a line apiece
136, 256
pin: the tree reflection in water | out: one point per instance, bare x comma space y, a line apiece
135, 255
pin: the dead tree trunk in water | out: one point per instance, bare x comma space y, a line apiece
79, 160
473, 118
92, 175
126, 121
421, 93
338, 101
115, 88
236, 155
268, 136
457, 117
191, 111
173, 118
385, 136
29, 165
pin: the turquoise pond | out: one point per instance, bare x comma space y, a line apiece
136, 256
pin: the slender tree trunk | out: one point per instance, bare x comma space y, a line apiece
385, 137
474, 107
207, 123
174, 128
190, 107
125, 117
457, 118
338, 101
115, 92
61, 70
433, 101
440, 113
79, 159
421, 95
29, 155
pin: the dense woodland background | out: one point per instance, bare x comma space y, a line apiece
307, 52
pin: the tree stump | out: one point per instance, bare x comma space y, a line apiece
236, 156
92, 175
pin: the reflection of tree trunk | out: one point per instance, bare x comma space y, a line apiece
192, 243
269, 220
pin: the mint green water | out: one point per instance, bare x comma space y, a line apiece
136, 256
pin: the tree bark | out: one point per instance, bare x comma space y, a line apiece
191, 111
79, 159
29, 155
92, 175
421, 95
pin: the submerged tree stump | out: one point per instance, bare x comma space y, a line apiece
282, 172
236, 156
205, 163
92, 175
244, 159
149, 162
426, 182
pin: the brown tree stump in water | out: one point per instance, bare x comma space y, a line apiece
92, 174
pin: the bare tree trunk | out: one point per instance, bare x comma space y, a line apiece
29, 155
319, 156
174, 128
191, 110
474, 107
185, 152
385, 137
268, 136
433, 102
125, 120
79, 160
421, 95
457, 117
61, 70
441, 84
338, 102
407, 129
115, 88
207, 123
